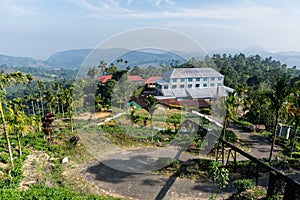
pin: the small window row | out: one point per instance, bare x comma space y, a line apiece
196, 79
191, 86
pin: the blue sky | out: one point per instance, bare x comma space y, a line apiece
38, 28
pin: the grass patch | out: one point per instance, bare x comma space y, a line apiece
42, 192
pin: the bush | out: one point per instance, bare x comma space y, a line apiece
242, 123
296, 154
243, 184
231, 136
13, 180
43, 192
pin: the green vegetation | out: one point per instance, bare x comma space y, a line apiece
219, 175
43, 192
243, 184
37, 118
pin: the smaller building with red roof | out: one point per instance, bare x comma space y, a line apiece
150, 82
133, 79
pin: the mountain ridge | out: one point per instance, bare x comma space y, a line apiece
73, 58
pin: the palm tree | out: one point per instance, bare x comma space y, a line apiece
41, 87
69, 98
63, 101
7, 80
102, 66
293, 110
57, 89
36, 98
151, 103
17, 120
231, 104
49, 96
279, 92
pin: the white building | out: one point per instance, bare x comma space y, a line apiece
191, 83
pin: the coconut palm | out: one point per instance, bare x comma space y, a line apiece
50, 98
293, 110
231, 104
57, 91
41, 87
278, 94
69, 100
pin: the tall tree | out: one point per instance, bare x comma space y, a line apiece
17, 120
231, 103
102, 66
7, 80
151, 103
69, 98
92, 73
57, 91
278, 94
41, 87
293, 110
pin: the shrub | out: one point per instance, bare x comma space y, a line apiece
296, 154
13, 179
231, 136
243, 184
43, 192
245, 124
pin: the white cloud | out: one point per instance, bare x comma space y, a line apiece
17, 9
129, 2
108, 7
113, 8
167, 2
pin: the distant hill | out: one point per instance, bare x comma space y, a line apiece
73, 59
68, 59
22, 61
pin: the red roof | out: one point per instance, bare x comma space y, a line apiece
135, 78
189, 103
152, 79
104, 79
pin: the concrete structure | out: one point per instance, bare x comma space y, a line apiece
191, 83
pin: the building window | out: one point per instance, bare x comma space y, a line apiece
205, 85
190, 79
212, 85
212, 78
204, 79
197, 79
219, 78
190, 85
181, 86
174, 86
166, 87
197, 85
174, 79
182, 79
219, 84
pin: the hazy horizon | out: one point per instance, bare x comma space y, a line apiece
37, 29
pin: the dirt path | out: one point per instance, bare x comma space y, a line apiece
147, 185
153, 186
258, 146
